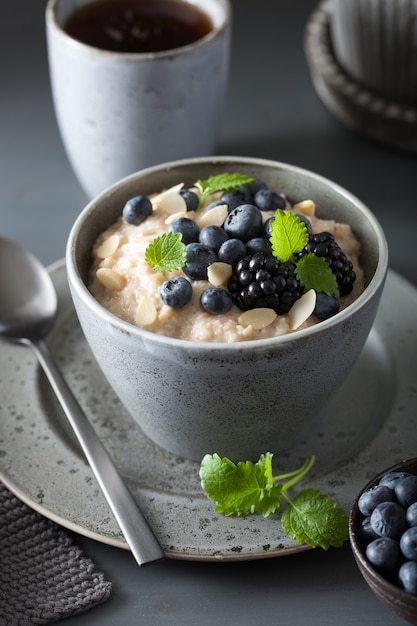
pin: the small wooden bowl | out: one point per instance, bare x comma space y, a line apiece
400, 602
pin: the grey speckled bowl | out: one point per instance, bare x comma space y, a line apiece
396, 599
242, 399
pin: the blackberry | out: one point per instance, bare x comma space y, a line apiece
324, 245
260, 280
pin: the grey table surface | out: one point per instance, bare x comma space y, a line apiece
272, 112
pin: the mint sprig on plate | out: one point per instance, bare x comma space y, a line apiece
246, 488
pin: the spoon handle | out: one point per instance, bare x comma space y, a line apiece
139, 536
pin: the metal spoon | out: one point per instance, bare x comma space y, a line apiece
28, 306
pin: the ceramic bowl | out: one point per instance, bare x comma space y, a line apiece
396, 599
235, 399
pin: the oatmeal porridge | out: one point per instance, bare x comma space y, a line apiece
229, 285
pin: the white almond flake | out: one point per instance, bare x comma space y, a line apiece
257, 318
146, 312
175, 216
110, 279
218, 273
108, 247
214, 216
158, 198
306, 207
302, 309
173, 203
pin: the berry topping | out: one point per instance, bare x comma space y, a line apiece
259, 244
216, 301
232, 251
326, 306
262, 281
176, 292
186, 227
267, 200
236, 197
213, 237
324, 245
198, 258
191, 199
244, 222
137, 209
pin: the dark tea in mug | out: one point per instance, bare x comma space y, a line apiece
133, 26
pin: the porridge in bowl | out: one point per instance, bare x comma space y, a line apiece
224, 265
219, 380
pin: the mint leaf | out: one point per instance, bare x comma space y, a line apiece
288, 235
315, 519
314, 272
222, 182
240, 489
310, 517
166, 252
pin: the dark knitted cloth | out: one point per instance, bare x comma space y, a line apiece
44, 577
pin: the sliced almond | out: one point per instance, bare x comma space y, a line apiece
306, 207
170, 200
173, 203
175, 216
302, 309
257, 318
146, 312
110, 279
108, 247
218, 273
176, 189
214, 216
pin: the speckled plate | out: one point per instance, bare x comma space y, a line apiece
369, 424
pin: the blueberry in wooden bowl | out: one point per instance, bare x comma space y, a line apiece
383, 536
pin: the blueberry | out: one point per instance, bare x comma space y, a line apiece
373, 496
213, 236
176, 292
411, 514
408, 543
213, 205
326, 306
187, 228
216, 301
388, 520
237, 196
384, 553
305, 221
198, 258
267, 200
137, 209
232, 251
408, 577
406, 490
365, 532
391, 478
257, 185
267, 228
259, 244
244, 222
191, 199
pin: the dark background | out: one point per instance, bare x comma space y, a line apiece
272, 112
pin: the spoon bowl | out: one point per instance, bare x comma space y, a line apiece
28, 309
29, 303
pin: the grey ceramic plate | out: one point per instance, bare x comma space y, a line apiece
370, 424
